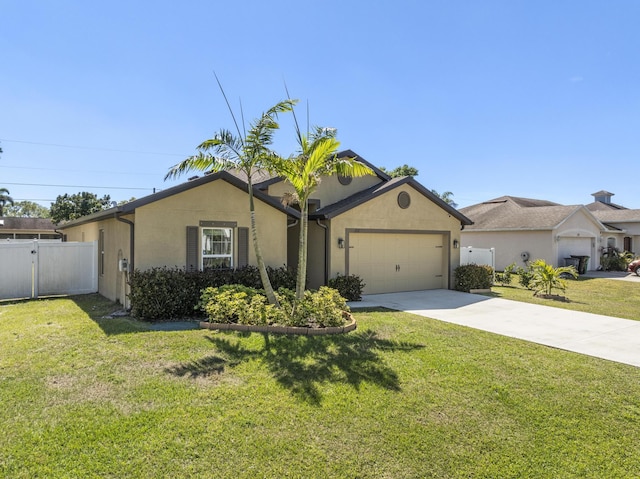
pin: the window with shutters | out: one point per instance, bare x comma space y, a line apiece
217, 248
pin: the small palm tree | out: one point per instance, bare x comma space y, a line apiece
304, 171
248, 154
545, 277
4, 200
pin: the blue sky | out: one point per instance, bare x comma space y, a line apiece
486, 98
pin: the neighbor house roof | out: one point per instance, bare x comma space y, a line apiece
617, 216
30, 224
130, 207
335, 209
514, 213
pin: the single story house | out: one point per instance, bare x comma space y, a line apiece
522, 229
393, 233
27, 229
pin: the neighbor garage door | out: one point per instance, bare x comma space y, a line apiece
575, 246
390, 262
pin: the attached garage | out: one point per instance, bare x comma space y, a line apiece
574, 246
391, 261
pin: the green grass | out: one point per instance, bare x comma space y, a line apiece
592, 295
401, 397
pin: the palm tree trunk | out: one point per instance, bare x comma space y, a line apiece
266, 283
302, 250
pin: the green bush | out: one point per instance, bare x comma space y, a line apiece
473, 276
505, 277
174, 294
613, 260
350, 287
239, 304
525, 276
546, 278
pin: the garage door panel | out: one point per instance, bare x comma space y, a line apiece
389, 262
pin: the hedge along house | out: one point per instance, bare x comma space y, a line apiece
522, 229
393, 233
201, 223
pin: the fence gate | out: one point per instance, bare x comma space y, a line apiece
469, 255
30, 269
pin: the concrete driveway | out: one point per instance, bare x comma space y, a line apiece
592, 334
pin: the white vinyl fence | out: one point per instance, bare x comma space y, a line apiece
471, 255
32, 269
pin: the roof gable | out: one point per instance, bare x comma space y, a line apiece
130, 207
361, 197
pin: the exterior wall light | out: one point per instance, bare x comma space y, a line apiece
456, 244
340, 243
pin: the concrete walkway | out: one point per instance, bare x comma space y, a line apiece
592, 334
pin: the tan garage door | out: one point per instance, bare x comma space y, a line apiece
390, 262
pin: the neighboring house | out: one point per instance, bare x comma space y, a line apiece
521, 229
27, 229
623, 223
393, 233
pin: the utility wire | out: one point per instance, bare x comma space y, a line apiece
75, 171
96, 148
78, 186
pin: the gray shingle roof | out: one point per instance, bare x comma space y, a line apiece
514, 213
617, 216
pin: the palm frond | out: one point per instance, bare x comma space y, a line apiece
199, 162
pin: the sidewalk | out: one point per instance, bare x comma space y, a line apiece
604, 337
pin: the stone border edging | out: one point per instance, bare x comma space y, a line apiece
263, 328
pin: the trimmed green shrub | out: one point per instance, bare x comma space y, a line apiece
174, 294
350, 287
525, 276
505, 277
239, 304
473, 276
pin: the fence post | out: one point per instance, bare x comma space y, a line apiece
34, 269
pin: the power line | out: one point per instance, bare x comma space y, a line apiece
75, 171
78, 186
95, 148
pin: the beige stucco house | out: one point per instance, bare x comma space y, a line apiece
394, 233
522, 229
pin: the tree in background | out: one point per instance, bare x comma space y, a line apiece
447, 197
27, 209
247, 153
304, 171
4, 200
70, 207
404, 170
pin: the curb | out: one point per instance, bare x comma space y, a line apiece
262, 328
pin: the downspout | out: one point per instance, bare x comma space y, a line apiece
326, 250
131, 239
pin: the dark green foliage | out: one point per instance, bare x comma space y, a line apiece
70, 207
473, 276
350, 287
525, 276
174, 294
505, 277
613, 260
243, 305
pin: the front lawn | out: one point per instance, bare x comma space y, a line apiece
592, 295
401, 397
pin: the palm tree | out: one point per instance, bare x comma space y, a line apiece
304, 171
4, 199
248, 154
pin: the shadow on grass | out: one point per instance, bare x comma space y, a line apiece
100, 310
302, 363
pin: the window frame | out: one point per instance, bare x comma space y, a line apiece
204, 255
